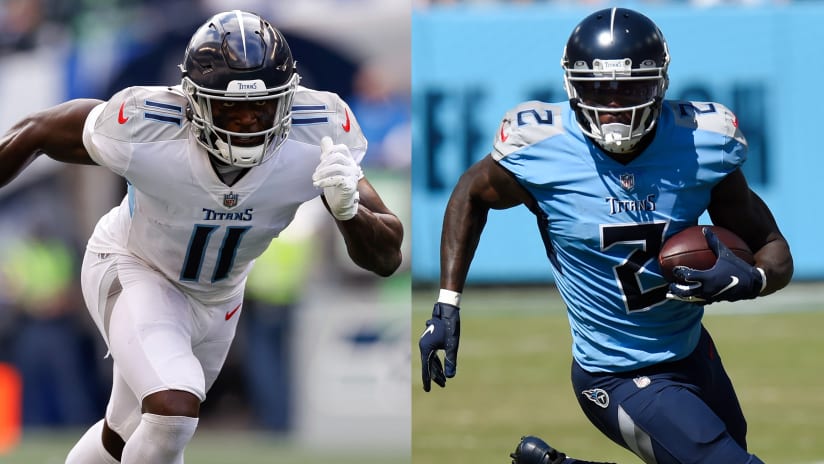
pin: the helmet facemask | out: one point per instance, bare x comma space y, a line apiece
632, 95
228, 146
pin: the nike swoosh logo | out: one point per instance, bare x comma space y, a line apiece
503, 135
120, 118
231, 313
347, 125
733, 283
429, 329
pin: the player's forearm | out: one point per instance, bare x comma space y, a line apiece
776, 261
17, 149
373, 240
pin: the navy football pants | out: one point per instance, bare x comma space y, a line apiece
678, 412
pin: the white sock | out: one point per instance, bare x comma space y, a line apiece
159, 440
89, 450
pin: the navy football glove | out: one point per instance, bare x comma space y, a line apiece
730, 279
443, 331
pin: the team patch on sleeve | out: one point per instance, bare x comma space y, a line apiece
526, 124
707, 116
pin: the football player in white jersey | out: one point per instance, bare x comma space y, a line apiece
216, 168
610, 174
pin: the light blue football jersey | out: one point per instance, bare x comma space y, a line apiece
603, 222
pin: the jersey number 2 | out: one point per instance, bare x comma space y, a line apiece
201, 234
648, 239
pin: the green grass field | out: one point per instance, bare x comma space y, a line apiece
513, 378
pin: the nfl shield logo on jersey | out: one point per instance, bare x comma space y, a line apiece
230, 200
627, 181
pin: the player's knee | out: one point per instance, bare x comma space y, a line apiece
727, 450
169, 434
533, 450
172, 403
112, 442
160, 439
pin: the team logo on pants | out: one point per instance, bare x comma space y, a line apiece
597, 396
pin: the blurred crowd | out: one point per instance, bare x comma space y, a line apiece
54, 50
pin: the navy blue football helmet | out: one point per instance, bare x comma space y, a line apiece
237, 56
615, 63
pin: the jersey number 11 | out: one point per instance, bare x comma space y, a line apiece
193, 263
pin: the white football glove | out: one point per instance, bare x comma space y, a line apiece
338, 175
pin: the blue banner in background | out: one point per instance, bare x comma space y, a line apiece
470, 65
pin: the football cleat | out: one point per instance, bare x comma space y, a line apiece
533, 450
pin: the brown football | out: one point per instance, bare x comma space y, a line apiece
689, 248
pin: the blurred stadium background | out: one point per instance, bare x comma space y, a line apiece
475, 59
320, 366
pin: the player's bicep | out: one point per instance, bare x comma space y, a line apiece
61, 131
489, 185
735, 206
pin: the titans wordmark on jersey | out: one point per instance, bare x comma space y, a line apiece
177, 215
603, 222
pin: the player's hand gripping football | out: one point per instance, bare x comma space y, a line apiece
443, 332
338, 175
730, 279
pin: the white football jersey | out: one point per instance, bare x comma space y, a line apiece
178, 216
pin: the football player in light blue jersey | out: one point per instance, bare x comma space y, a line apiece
610, 175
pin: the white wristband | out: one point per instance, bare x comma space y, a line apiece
763, 279
449, 297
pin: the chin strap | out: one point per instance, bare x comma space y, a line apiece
241, 156
615, 133
616, 138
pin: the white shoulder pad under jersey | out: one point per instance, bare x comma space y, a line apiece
714, 117
526, 124
316, 114
134, 115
